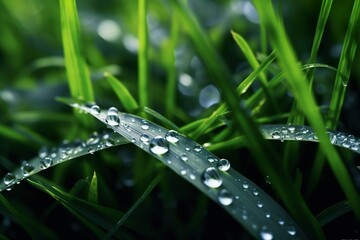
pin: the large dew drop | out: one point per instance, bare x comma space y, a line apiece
211, 178
112, 117
172, 136
159, 145
266, 235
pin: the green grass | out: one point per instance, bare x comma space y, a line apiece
268, 75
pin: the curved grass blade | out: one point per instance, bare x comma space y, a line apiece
334, 212
143, 63
65, 152
240, 197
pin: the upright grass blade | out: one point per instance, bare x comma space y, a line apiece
171, 68
76, 68
339, 89
344, 68
300, 89
125, 97
143, 64
93, 189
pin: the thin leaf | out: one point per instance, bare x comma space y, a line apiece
93, 190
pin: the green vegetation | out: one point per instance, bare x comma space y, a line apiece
214, 76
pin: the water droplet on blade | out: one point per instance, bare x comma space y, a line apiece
172, 136
26, 169
159, 145
184, 157
225, 197
197, 148
9, 178
210, 177
223, 165
266, 234
144, 138
112, 117
45, 163
95, 110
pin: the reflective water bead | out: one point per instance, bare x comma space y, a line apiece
225, 197
197, 148
184, 157
223, 165
192, 176
159, 145
281, 222
144, 138
109, 142
145, 126
26, 169
43, 152
211, 178
276, 135
255, 192
91, 150
9, 178
211, 159
45, 163
266, 234
291, 230
95, 110
93, 138
172, 136
112, 117
259, 204
183, 172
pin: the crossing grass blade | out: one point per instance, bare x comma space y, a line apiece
123, 94
300, 89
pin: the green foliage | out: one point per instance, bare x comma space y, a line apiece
213, 76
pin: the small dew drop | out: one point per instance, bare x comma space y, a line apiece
211, 178
223, 165
259, 204
225, 197
255, 192
192, 176
26, 169
291, 230
109, 142
144, 138
298, 136
159, 145
266, 234
276, 135
172, 136
145, 126
197, 148
211, 159
183, 172
91, 150
245, 185
184, 157
9, 178
95, 110
281, 222
43, 152
267, 215
45, 163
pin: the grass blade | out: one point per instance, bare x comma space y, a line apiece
143, 54
125, 97
300, 90
227, 184
93, 189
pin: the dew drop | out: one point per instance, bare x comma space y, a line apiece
255, 192
259, 204
192, 176
223, 165
245, 185
197, 148
211, 178
112, 117
291, 230
298, 136
281, 222
109, 142
91, 150
211, 159
266, 234
43, 152
93, 139
145, 126
95, 110
45, 163
291, 129
159, 145
183, 172
172, 136
276, 135
225, 197
184, 157
144, 138
26, 169
9, 178
267, 215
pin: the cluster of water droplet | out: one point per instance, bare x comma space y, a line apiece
48, 157
304, 133
199, 166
